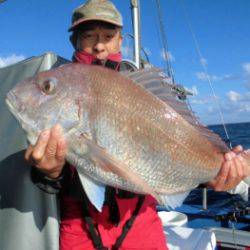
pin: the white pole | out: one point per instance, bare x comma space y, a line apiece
136, 21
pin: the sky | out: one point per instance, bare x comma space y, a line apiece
220, 27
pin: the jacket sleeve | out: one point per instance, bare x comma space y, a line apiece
49, 185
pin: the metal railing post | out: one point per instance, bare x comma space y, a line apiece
204, 198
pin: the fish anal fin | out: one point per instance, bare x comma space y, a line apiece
173, 201
95, 191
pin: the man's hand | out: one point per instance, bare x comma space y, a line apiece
233, 170
48, 154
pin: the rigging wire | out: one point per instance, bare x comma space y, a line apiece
157, 29
142, 49
213, 91
160, 41
197, 48
165, 43
161, 44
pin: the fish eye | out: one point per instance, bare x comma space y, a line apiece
48, 86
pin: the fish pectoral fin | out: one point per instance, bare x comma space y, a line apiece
104, 160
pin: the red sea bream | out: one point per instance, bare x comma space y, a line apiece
124, 130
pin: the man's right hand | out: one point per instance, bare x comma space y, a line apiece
48, 154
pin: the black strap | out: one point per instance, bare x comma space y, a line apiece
110, 201
97, 241
129, 223
94, 234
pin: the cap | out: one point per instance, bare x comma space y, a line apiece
101, 10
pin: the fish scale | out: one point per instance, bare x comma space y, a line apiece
142, 167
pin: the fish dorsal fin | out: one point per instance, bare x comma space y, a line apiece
157, 83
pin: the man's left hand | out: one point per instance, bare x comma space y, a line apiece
233, 170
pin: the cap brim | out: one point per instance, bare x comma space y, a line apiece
81, 21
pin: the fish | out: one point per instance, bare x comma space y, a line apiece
127, 130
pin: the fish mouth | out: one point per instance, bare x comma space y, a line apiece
10, 100
16, 108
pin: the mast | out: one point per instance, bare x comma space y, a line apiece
135, 6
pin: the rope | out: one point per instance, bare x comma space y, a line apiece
157, 29
165, 44
142, 49
197, 48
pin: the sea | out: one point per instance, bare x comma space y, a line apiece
223, 209
238, 133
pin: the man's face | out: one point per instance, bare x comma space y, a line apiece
100, 41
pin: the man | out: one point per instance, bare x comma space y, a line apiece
97, 39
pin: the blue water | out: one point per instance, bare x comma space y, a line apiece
220, 203
239, 133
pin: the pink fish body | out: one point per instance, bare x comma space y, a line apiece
124, 130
